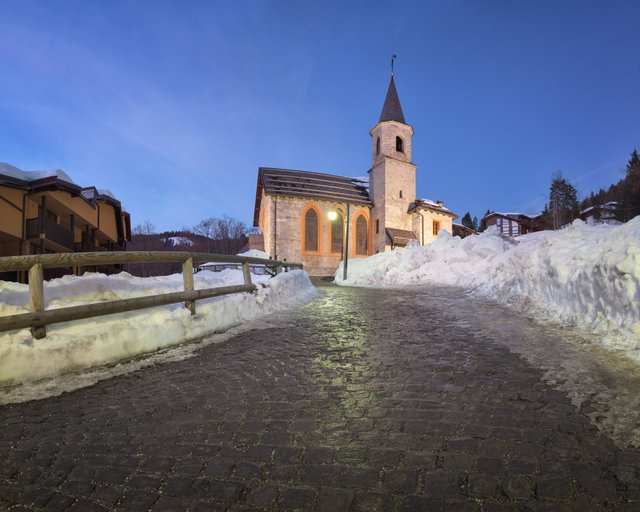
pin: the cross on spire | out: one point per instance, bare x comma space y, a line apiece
393, 58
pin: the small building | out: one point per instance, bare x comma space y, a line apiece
47, 212
601, 213
512, 224
462, 231
292, 206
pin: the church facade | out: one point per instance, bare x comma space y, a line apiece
308, 216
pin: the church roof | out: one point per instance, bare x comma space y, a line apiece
391, 110
314, 185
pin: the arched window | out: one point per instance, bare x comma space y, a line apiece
378, 146
337, 233
362, 236
311, 230
399, 147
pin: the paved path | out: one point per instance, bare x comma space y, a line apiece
364, 400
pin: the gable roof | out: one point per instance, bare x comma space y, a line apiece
391, 110
312, 185
431, 205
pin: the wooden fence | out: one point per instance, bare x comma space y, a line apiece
38, 317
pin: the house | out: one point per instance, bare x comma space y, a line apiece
47, 212
462, 231
601, 213
512, 224
371, 215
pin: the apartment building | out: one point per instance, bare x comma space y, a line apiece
47, 212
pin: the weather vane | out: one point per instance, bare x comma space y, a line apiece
393, 57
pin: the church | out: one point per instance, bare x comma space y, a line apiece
311, 217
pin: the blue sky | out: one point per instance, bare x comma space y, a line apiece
173, 105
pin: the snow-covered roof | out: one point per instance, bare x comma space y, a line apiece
30, 177
11, 171
432, 205
106, 192
431, 202
611, 205
509, 214
14, 172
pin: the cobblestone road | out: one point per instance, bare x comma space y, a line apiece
363, 400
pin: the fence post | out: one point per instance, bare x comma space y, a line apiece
279, 269
187, 278
246, 272
36, 297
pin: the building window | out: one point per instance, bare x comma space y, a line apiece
337, 234
436, 227
378, 146
399, 147
377, 226
311, 230
362, 241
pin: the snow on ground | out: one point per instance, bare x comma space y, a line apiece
254, 253
103, 340
586, 276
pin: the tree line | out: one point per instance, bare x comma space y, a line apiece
563, 205
223, 235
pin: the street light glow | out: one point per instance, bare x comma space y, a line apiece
333, 215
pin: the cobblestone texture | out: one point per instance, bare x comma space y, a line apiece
363, 400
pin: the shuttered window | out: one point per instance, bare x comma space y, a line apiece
362, 232
311, 230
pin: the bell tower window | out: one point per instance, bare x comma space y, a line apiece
399, 146
378, 146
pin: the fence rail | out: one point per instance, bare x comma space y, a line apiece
38, 318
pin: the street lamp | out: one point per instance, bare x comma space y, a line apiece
333, 215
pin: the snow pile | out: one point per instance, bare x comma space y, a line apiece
255, 253
103, 340
587, 276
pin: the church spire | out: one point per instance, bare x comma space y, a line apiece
391, 110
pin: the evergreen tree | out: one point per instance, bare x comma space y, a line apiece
630, 196
483, 225
467, 221
563, 201
475, 224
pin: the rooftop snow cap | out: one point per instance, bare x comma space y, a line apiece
391, 110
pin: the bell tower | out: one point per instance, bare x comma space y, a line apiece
392, 177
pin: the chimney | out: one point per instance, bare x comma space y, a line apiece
439, 203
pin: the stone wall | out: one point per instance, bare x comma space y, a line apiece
393, 190
283, 231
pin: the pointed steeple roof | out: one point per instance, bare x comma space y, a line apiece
391, 110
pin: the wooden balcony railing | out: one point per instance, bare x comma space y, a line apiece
52, 231
38, 318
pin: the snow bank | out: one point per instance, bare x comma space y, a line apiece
587, 276
102, 340
254, 253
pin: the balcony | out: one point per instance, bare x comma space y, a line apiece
53, 232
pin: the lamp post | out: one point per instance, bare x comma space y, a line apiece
333, 215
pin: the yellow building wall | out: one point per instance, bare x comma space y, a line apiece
429, 216
77, 205
11, 211
108, 220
